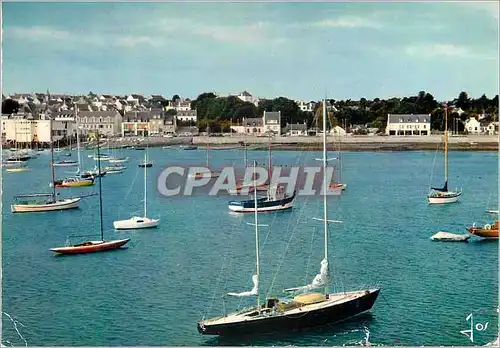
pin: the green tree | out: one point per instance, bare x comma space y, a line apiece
10, 106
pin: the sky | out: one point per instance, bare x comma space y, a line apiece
297, 50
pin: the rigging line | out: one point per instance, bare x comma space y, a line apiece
310, 252
216, 286
120, 209
434, 164
295, 226
293, 229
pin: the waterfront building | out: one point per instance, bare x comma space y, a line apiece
402, 124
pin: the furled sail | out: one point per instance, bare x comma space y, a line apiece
443, 189
318, 281
254, 291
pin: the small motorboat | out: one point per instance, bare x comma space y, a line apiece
450, 237
91, 246
488, 231
337, 186
92, 173
148, 164
65, 163
17, 169
276, 199
190, 147
73, 182
118, 160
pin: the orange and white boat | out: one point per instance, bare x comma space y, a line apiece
488, 231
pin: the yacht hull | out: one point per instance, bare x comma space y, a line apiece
328, 314
444, 199
69, 203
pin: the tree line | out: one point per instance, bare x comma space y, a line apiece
220, 112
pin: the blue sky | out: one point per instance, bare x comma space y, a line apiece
297, 50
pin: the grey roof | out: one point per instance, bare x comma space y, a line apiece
131, 116
404, 118
65, 113
272, 116
169, 119
246, 94
83, 107
254, 121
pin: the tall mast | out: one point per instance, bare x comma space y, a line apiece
325, 218
145, 170
446, 145
256, 233
245, 130
78, 140
52, 161
269, 173
100, 187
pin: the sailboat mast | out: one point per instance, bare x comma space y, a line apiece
100, 187
52, 161
256, 233
145, 170
325, 218
78, 140
446, 144
244, 128
269, 173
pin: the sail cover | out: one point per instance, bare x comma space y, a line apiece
318, 281
443, 189
254, 291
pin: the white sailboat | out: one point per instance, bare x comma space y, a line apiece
443, 195
306, 310
137, 222
40, 202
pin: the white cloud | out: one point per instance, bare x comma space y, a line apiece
349, 22
450, 50
74, 39
38, 32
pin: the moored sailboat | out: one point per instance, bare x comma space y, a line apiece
41, 202
308, 309
443, 195
93, 245
137, 222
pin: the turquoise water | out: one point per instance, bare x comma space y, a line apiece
155, 291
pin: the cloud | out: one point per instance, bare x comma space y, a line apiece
73, 39
444, 50
349, 22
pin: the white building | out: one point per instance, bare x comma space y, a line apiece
27, 131
402, 124
473, 126
272, 122
187, 116
247, 97
492, 128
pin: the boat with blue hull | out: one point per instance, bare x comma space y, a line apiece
274, 201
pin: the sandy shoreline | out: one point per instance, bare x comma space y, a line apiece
347, 143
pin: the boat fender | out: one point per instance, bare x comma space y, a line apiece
487, 227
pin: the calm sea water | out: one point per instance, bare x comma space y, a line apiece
155, 291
